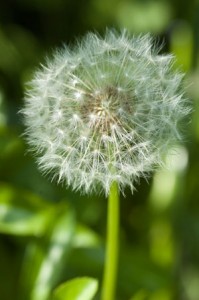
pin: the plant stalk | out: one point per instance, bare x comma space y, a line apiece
112, 245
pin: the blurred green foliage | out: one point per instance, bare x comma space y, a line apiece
48, 234
80, 288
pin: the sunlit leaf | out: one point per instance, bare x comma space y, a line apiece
22, 213
18, 221
85, 237
77, 289
46, 257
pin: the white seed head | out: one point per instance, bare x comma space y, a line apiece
107, 110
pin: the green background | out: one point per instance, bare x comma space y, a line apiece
48, 234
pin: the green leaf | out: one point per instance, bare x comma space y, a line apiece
85, 237
18, 221
23, 213
77, 289
46, 257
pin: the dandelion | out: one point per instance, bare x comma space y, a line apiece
103, 114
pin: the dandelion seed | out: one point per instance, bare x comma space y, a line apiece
110, 102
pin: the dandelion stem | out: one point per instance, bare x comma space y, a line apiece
111, 260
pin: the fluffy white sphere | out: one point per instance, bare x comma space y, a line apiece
105, 111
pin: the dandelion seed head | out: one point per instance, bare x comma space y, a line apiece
106, 111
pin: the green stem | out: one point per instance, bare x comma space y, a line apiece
111, 261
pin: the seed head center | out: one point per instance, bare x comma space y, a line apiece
100, 109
